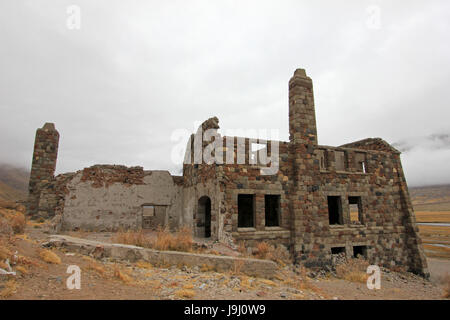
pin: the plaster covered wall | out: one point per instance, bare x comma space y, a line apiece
93, 206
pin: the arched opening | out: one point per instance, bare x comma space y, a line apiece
204, 217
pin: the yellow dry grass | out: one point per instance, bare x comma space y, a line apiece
278, 254
122, 275
5, 253
446, 282
49, 256
185, 293
3, 265
188, 286
98, 268
237, 267
206, 268
14, 219
22, 269
432, 216
268, 282
353, 270
10, 288
144, 265
181, 240
135, 238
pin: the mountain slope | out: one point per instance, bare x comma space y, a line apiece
431, 198
13, 182
10, 194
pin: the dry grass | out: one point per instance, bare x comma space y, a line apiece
49, 256
22, 269
5, 253
12, 221
144, 265
184, 239
18, 223
165, 240
136, 238
185, 293
268, 282
10, 288
98, 268
432, 216
188, 286
446, 282
278, 254
237, 267
262, 250
206, 267
5, 227
122, 275
353, 270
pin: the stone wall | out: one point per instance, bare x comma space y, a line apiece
43, 165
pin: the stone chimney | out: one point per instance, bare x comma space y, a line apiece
302, 114
44, 164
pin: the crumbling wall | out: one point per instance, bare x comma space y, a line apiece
246, 178
112, 197
43, 165
202, 180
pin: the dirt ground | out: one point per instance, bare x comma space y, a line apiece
123, 280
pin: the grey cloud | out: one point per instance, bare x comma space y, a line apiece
138, 70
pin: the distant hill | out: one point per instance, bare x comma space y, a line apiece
431, 198
10, 194
13, 182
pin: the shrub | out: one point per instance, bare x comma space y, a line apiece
353, 270
183, 239
122, 275
49, 256
185, 293
262, 250
132, 238
242, 249
18, 223
278, 253
164, 240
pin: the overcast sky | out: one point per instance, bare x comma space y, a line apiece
136, 71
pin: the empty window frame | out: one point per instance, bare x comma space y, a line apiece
246, 211
360, 251
355, 208
360, 162
153, 216
340, 158
322, 156
338, 250
272, 210
335, 210
148, 210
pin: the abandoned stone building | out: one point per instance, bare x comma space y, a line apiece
322, 200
